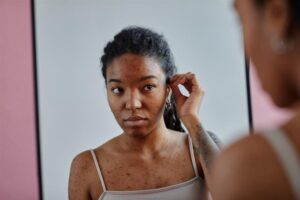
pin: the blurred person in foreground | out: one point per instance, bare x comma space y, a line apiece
266, 164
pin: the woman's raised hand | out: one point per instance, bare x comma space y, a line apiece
187, 106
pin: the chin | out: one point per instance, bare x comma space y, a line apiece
284, 101
136, 133
280, 103
280, 95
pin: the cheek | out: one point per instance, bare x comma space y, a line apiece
158, 105
157, 102
114, 105
255, 46
250, 39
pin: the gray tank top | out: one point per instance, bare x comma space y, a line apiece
193, 189
287, 155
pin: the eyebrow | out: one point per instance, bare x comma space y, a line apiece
148, 77
141, 79
114, 80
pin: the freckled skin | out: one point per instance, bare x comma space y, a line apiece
129, 69
142, 157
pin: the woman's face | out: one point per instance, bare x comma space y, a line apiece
137, 92
261, 24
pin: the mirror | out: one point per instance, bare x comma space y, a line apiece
70, 36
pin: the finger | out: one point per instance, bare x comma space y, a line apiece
180, 76
175, 90
192, 78
188, 80
176, 81
192, 84
181, 80
179, 97
175, 77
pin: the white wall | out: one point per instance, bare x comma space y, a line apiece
74, 114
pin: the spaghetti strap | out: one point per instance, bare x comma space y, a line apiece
287, 155
98, 170
193, 156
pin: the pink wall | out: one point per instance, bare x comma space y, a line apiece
18, 163
265, 113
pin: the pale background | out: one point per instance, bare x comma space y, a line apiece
74, 114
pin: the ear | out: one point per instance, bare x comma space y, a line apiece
169, 93
277, 19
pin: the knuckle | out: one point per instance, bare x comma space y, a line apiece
192, 74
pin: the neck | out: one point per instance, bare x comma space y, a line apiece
153, 142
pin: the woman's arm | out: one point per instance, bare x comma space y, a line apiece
188, 110
204, 144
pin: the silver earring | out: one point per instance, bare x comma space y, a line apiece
168, 104
280, 45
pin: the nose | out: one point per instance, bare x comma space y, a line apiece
133, 101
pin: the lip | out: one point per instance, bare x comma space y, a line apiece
134, 118
134, 121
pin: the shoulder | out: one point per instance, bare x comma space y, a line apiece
84, 179
186, 144
79, 175
248, 169
111, 146
84, 160
241, 150
178, 137
81, 162
80, 166
241, 155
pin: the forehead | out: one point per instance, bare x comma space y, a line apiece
134, 66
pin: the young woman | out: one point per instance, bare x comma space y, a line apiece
152, 158
267, 166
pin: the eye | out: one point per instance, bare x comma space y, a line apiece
149, 87
117, 90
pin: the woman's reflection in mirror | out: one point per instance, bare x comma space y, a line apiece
152, 157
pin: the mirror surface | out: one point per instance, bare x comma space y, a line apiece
70, 35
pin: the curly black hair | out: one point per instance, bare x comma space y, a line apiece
145, 42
